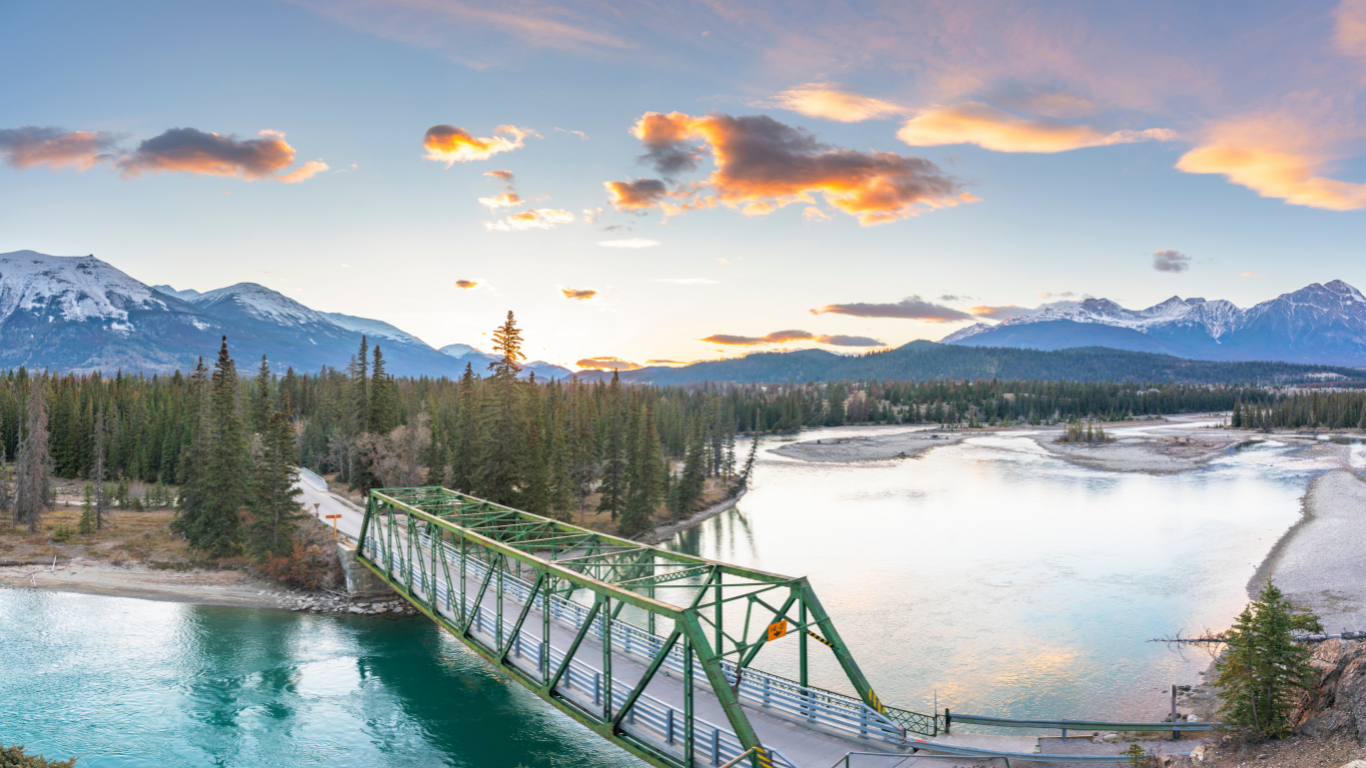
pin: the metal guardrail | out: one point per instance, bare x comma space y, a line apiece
845, 714
313, 479
952, 750
581, 680
1079, 725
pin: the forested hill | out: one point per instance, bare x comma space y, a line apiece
922, 360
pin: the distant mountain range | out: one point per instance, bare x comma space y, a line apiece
922, 360
81, 314
1318, 324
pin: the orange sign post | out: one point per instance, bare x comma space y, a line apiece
334, 519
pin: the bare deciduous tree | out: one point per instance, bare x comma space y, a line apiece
33, 469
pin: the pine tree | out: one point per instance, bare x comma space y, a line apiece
612, 489
383, 403
688, 490
535, 495
644, 473
562, 494
466, 449
211, 514
275, 508
260, 406
501, 462
33, 466
1264, 668
87, 523
360, 387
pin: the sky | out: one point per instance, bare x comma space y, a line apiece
677, 181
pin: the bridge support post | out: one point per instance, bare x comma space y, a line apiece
716, 675
689, 733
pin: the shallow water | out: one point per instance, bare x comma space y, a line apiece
128, 683
991, 574
995, 578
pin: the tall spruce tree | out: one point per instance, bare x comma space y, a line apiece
383, 404
501, 465
260, 404
275, 508
644, 473
1264, 669
465, 449
211, 513
612, 489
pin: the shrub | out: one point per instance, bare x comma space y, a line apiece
14, 757
312, 564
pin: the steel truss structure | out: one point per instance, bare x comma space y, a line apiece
506, 582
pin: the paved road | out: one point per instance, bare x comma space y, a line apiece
319, 503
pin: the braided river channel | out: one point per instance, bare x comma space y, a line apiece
988, 576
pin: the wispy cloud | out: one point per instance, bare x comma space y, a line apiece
634, 242
31, 146
910, 308
607, 364
763, 165
995, 129
533, 218
578, 294
580, 134
466, 284
1252, 274
449, 144
827, 100
1004, 312
789, 336
304, 172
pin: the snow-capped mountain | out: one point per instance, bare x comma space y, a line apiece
1323, 324
81, 314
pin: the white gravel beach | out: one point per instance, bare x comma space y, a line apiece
897, 445
1320, 563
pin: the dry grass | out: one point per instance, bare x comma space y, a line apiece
126, 536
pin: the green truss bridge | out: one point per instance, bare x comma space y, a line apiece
651, 649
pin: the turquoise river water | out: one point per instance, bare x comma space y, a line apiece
989, 576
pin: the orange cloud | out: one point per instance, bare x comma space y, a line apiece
505, 200
304, 172
636, 195
533, 218
786, 337
188, 150
763, 165
1251, 274
995, 129
505, 176
1003, 312
827, 101
31, 146
578, 294
1286, 175
607, 364
465, 284
449, 144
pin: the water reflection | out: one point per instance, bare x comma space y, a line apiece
132, 683
1005, 579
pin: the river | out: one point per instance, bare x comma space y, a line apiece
988, 576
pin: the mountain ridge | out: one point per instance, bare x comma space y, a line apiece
1320, 324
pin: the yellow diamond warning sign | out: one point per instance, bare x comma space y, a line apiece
777, 629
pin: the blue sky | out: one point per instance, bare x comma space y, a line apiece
973, 155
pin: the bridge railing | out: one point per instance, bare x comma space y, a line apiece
845, 714
665, 721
